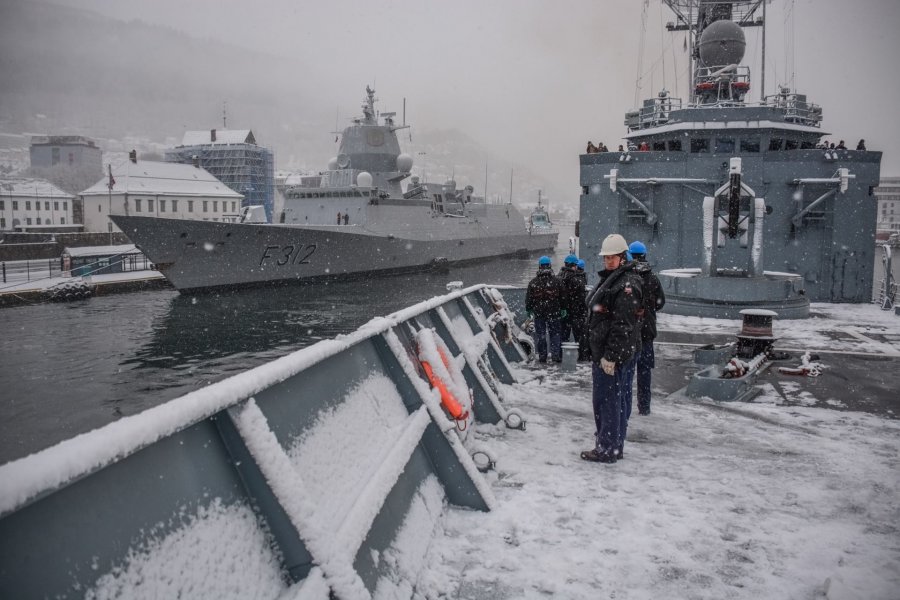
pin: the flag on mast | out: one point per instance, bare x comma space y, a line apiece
112, 182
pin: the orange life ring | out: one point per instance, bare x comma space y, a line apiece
448, 400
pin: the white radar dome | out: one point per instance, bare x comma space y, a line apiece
404, 163
332, 163
722, 43
364, 180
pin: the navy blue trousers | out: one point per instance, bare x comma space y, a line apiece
627, 399
545, 327
608, 400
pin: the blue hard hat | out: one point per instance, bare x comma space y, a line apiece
570, 259
544, 261
637, 248
580, 264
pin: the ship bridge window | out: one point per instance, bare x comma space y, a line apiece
806, 145
749, 145
775, 144
791, 144
724, 145
699, 145
659, 146
675, 145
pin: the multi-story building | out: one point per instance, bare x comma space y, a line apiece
232, 156
160, 189
33, 202
74, 151
888, 195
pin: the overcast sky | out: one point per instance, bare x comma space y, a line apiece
536, 79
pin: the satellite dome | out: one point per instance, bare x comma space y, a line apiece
364, 180
332, 163
404, 163
722, 43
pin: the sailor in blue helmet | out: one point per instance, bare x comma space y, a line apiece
653, 301
543, 301
581, 314
613, 336
572, 298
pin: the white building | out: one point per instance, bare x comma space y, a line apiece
32, 202
888, 195
158, 189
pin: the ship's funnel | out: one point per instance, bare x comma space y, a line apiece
722, 43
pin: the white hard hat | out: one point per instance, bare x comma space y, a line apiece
613, 244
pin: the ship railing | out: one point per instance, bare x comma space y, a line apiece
308, 468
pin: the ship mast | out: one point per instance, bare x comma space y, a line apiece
694, 16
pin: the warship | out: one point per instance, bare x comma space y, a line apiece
353, 219
740, 204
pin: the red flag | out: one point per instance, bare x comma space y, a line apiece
112, 182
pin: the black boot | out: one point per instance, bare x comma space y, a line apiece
594, 455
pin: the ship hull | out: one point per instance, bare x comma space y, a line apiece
206, 255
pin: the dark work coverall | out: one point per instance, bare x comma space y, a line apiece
544, 300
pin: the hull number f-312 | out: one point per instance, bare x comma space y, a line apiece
290, 254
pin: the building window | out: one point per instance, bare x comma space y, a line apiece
54, 157
205, 207
65, 206
699, 145
2, 222
137, 205
215, 206
28, 206
38, 221
56, 206
2, 205
62, 220
233, 206
28, 220
99, 208
749, 145
190, 206
150, 205
15, 205
724, 145
174, 205
46, 205
162, 206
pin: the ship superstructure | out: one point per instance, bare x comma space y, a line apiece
738, 202
352, 219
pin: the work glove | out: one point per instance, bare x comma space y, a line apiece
563, 314
608, 366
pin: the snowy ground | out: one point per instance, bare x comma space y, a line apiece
761, 500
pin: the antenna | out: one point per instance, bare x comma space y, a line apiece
510, 185
225, 114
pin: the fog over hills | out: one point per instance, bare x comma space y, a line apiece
71, 71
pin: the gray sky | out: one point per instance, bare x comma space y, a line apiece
535, 79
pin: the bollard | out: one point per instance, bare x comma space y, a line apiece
569, 356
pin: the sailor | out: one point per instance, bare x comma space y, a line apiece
571, 297
861, 145
841, 146
579, 320
613, 336
653, 301
346, 218
543, 301
339, 218
591, 148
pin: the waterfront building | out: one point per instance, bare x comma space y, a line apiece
74, 151
234, 157
33, 202
888, 195
157, 189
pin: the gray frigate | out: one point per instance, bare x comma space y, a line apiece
739, 202
353, 219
